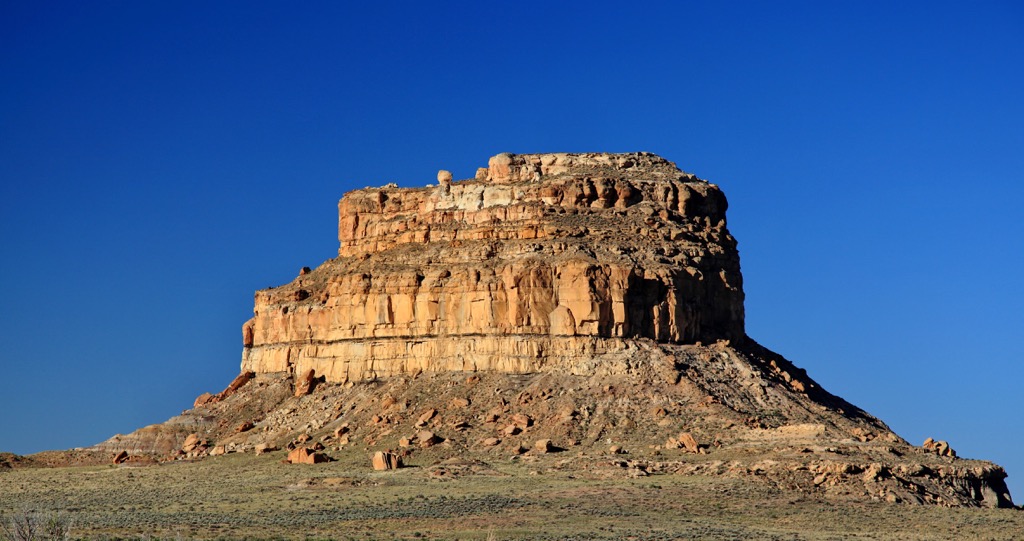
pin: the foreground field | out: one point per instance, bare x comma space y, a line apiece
241, 496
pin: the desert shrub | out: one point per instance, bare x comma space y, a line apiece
28, 525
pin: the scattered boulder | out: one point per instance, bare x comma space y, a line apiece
264, 448
121, 457
426, 417
386, 460
191, 443
490, 442
306, 455
521, 420
512, 430
341, 430
304, 271
244, 427
684, 440
236, 384
218, 450
305, 384
543, 446
460, 402
426, 438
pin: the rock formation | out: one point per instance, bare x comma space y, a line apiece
555, 302
549, 260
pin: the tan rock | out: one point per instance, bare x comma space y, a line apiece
245, 427
512, 430
264, 448
204, 399
218, 450
426, 417
386, 460
521, 420
480, 290
191, 443
490, 442
543, 446
458, 403
305, 384
240, 381
426, 438
305, 455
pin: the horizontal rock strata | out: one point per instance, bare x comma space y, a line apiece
541, 260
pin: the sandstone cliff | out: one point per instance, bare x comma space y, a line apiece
539, 262
591, 302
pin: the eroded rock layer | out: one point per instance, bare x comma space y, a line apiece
541, 261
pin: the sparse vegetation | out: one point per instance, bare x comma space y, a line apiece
242, 496
28, 525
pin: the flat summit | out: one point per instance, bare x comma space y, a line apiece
583, 311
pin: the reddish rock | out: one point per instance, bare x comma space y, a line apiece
121, 457
236, 384
426, 417
306, 455
522, 420
305, 384
204, 399
386, 460
263, 448
246, 426
426, 438
543, 446
191, 443
687, 441
490, 442
218, 450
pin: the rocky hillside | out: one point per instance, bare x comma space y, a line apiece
583, 305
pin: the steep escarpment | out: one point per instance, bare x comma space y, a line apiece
541, 261
590, 303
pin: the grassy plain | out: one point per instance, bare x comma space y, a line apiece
242, 496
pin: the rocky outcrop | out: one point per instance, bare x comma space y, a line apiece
596, 302
542, 261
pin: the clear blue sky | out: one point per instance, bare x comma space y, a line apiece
160, 161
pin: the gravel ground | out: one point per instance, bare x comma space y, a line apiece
246, 497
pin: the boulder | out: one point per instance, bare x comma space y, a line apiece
426, 417
543, 446
306, 455
426, 438
386, 460
305, 384
121, 457
191, 443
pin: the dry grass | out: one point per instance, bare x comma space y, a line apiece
247, 497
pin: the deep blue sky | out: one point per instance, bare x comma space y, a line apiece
161, 161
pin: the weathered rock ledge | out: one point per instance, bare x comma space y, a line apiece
538, 262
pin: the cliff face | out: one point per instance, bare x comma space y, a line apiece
540, 261
561, 301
